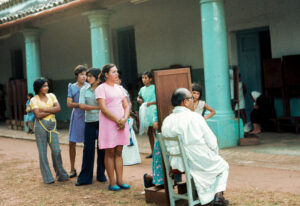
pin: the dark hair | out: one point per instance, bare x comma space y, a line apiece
120, 75
148, 74
30, 95
94, 72
79, 69
105, 70
178, 96
198, 88
38, 84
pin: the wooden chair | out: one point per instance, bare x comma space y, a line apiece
172, 195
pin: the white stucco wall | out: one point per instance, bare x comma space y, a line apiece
282, 18
167, 32
64, 45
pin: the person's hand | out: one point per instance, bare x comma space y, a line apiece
41, 110
140, 101
155, 125
121, 123
148, 104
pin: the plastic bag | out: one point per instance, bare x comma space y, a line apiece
143, 118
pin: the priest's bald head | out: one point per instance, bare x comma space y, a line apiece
182, 97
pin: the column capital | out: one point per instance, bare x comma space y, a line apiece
31, 35
98, 18
209, 1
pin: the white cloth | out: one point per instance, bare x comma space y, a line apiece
200, 107
131, 154
255, 95
143, 119
208, 169
241, 97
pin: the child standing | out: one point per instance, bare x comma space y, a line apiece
242, 105
76, 129
29, 118
147, 98
200, 105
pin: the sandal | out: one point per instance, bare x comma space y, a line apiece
73, 174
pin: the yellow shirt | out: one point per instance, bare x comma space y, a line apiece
36, 103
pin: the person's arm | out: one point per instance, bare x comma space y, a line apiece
211, 110
105, 110
140, 100
72, 104
150, 103
40, 114
122, 122
53, 110
88, 107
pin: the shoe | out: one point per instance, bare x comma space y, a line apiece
62, 180
49, 182
220, 201
147, 183
80, 184
73, 174
102, 179
114, 188
149, 156
124, 186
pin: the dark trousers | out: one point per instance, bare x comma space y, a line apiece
87, 167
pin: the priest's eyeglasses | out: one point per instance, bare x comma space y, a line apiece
187, 98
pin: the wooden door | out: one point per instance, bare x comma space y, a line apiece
249, 62
166, 82
127, 63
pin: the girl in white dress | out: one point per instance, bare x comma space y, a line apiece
200, 105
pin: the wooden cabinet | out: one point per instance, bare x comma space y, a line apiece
166, 82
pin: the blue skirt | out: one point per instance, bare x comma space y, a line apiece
76, 130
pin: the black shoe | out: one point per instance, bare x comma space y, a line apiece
73, 174
102, 179
220, 201
149, 156
80, 184
147, 182
49, 182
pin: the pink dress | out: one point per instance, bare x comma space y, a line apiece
109, 134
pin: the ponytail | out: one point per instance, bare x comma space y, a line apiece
105, 70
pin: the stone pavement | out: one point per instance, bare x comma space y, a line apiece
276, 150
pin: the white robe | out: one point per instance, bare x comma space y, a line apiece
208, 169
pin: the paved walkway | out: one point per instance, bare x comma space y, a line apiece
276, 150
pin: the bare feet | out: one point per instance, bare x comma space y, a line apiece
255, 132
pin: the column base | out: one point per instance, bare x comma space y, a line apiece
226, 131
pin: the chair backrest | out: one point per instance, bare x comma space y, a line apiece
180, 154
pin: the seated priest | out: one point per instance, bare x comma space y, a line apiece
208, 169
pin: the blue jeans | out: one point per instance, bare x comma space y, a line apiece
87, 168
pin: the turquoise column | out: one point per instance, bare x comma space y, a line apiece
99, 37
32, 49
216, 74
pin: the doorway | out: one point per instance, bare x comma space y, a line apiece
126, 57
253, 46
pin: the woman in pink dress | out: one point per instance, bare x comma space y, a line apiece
113, 126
